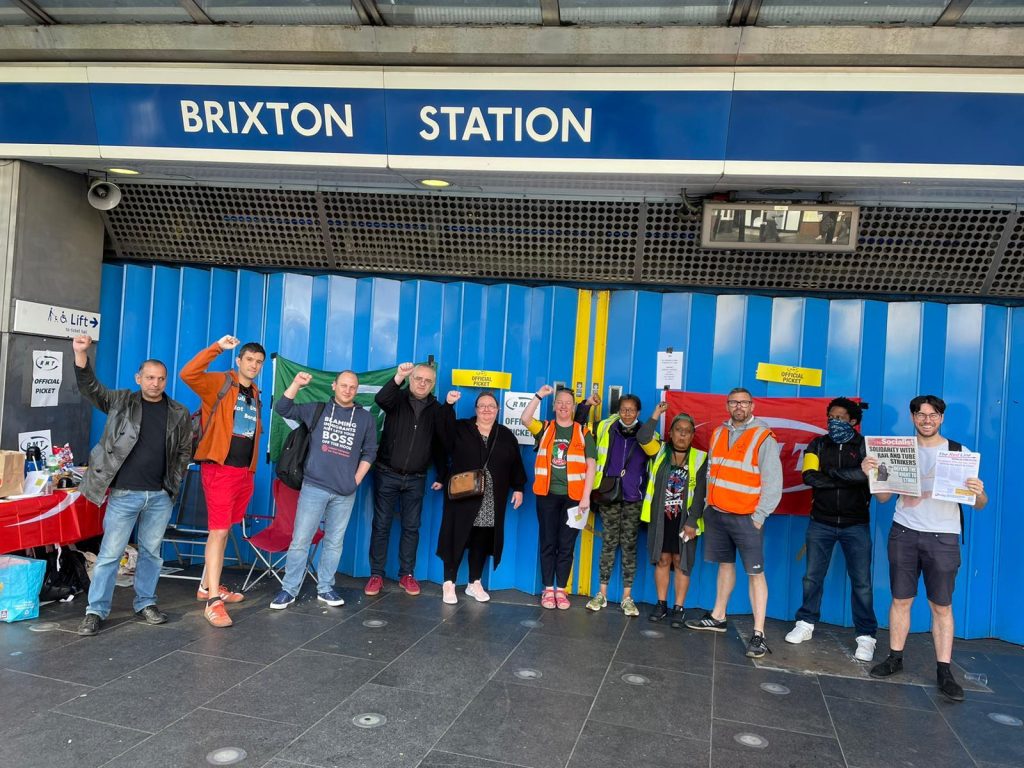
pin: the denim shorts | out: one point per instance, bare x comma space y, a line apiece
912, 553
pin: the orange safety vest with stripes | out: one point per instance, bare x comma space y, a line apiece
575, 462
734, 474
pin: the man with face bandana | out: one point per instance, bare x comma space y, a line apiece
839, 513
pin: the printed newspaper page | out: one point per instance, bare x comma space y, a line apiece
897, 470
952, 468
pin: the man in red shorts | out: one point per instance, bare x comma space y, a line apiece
227, 450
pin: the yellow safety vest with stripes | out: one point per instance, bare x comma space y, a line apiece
694, 461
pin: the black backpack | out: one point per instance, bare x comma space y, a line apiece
292, 461
198, 428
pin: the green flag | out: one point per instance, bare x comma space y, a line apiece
319, 390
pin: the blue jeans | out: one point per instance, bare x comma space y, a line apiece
856, 543
407, 491
316, 503
152, 510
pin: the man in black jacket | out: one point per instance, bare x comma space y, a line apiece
839, 513
408, 445
141, 458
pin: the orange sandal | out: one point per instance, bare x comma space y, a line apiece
547, 598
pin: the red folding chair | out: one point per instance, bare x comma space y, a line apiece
271, 543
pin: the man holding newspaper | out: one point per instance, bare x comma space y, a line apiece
925, 534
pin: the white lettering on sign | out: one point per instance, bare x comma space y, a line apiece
541, 124
241, 117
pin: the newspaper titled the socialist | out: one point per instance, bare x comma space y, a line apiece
952, 469
897, 470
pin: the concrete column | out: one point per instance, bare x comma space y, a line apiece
51, 251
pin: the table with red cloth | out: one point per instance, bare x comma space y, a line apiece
63, 517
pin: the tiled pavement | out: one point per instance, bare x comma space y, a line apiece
397, 681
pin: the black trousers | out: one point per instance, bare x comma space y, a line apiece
557, 540
480, 545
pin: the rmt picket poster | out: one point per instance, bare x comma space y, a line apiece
897, 470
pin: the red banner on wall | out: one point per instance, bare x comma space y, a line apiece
794, 420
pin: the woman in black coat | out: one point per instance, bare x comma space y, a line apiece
477, 523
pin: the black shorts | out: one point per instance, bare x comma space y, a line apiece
724, 533
912, 553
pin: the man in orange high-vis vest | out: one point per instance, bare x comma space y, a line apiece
744, 487
563, 478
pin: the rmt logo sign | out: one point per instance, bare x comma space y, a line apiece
47, 362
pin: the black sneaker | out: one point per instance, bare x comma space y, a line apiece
678, 617
152, 615
90, 625
950, 688
891, 666
707, 623
757, 647
659, 612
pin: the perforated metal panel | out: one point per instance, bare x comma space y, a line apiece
913, 251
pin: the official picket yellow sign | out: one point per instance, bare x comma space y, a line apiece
789, 374
483, 379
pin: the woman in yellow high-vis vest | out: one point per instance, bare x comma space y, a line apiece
563, 478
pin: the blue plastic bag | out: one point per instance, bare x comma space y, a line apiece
20, 582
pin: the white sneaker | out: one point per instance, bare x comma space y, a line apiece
476, 590
802, 631
448, 593
865, 648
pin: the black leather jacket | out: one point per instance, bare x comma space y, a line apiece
124, 418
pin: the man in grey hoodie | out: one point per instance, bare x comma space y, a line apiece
744, 487
342, 447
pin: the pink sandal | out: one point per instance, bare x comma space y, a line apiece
547, 598
561, 600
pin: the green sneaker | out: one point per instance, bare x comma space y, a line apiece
597, 602
629, 607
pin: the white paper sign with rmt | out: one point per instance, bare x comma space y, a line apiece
47, 375
51, 320
515, 404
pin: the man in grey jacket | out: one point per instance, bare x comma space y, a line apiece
141, 458
744, 487
342, 447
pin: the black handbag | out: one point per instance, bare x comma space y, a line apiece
610, 489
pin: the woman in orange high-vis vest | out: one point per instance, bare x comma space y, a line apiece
563, 478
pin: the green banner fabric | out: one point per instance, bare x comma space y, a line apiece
319, 390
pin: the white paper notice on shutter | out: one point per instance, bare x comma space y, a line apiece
47, 374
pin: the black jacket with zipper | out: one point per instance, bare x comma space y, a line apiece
409, 444
840, 487
124, 420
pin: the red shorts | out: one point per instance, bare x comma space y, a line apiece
228, 491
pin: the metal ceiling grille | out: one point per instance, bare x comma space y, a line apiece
955, 252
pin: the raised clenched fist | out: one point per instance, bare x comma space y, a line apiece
453, 397
302, 379
546, 390
81, 343
406, 368
228, 342
659, 409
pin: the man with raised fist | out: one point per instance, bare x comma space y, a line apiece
231, 424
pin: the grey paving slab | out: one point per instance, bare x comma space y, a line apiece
876, 692
658, 645
491, 622
382, 643
25, 696
412, 723
604, 746
456, 666
263, 637
992, 732
664, 702
299, 688
519, 724
154, 696
60, 741
746, 695
563, 664
307, 603
439, 759
876, 736
580, 624
427, 604
757, 746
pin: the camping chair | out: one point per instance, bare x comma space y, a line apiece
187, 528
271, 543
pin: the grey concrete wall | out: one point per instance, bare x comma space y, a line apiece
51, 246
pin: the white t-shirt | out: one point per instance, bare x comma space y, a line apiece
924, 513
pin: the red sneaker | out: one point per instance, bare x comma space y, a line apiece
217, 614
373, 586
225, 594
409, 584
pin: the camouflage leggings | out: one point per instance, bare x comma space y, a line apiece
621, 523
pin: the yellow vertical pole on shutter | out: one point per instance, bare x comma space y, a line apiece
581, 353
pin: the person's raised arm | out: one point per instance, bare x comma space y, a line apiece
528, 419
90, 387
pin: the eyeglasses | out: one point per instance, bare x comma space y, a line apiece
734, 403
927, 416
423, 379
487, 407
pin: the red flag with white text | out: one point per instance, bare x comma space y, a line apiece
794, 420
